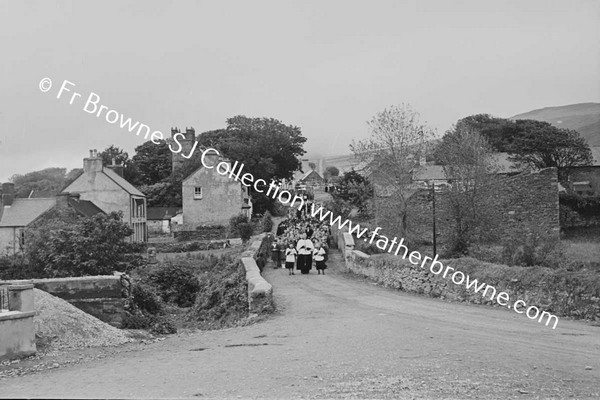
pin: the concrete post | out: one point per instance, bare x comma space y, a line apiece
20, 297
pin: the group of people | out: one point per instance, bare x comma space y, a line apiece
300, 241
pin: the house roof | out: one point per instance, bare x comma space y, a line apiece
162, 213
23, 211
128, 187
430, 172
310, 173
85, 207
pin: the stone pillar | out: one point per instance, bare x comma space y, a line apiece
20, 297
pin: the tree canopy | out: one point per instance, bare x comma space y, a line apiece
153, 162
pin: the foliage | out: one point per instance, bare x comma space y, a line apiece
88, 246
153, 162
267, 222
234, 224
541, 145
532, 249
17, 267
44, 183
398, 140
121, 157
500, 133
246, 230
468, 163
585, 206
176, 284
331, 171
312, 166
353, 190
223, 295
166, 193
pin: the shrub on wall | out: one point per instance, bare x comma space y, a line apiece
234, 224
267, 222
246, 230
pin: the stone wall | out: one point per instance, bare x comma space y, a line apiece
559, 292
525, 203
260, 292
214, 232
99, 296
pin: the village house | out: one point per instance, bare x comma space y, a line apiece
106, 188
159, 219
312, 180
16, 215
209, 198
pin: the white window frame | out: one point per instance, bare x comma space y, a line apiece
197, 196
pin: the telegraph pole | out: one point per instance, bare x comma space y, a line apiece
433, 197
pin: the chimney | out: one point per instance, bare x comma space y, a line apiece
8, 193
62, 199
92, 164
117, 168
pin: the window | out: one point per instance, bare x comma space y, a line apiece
197, 192
22, 239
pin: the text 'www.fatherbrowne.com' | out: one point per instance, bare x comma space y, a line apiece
435, 267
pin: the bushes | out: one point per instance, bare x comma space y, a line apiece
533, 249
267, 222
176, 284
234, 224
246, 231
223, 295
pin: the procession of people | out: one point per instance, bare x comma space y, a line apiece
301, 242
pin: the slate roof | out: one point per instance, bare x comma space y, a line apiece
309, 173
161, 213
23, 211
122, 182
85, 208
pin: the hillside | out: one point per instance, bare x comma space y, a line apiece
583, 117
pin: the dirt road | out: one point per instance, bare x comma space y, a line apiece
337, 336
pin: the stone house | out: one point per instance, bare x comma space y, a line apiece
159, 219
312, 180
16, 215
208, 198
106, 188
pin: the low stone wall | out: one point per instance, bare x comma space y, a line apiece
202, 233
17, 331
99, 296
562, 293
260, 292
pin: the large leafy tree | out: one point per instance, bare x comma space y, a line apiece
354, 190
153, 162
268, 148
540, 145
500, 133
121, 157
87, 246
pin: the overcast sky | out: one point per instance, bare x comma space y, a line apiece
326, 66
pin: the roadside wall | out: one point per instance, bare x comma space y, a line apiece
99, 296
260, 292
559, 292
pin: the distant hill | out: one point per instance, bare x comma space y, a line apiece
583, 117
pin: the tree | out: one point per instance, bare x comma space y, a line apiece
87, 246
120, 157
312, 166
331, 171
353, 190
268, 149
541, 145
499, 132
153, 162
398, 140
469, 164
45, 183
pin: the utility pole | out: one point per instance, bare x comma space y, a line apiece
433, 197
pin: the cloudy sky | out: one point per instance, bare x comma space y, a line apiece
326, 66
